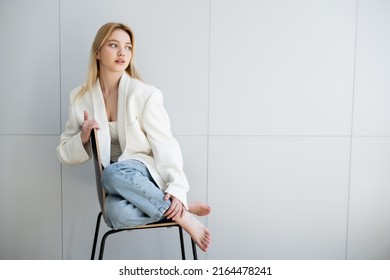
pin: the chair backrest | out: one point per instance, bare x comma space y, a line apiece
98, 168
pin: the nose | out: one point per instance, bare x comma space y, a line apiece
121, 52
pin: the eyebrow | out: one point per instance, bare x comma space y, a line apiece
113, 40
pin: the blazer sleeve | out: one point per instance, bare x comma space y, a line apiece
166, 150
70, 149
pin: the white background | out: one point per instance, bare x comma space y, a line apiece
280, 107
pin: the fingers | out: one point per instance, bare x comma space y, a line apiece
176, 209
176, 212
86, 116
86, 128
89, 125
172, 211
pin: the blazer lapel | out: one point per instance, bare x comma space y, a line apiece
122, 105
100, 116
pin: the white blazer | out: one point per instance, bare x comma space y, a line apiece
143, 129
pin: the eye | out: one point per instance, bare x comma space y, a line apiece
113, 45
128, 48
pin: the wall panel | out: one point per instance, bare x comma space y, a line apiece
30, 78
278, 197
281, 67
30, 208
369, 220
372, 86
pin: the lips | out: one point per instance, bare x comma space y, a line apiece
120, 61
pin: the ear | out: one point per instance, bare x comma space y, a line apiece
98, 55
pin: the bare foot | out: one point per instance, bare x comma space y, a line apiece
198, 232
199, 208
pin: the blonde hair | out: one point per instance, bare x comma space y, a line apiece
100, 39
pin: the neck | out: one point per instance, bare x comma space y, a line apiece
109, 82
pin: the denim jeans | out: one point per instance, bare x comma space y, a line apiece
132, 196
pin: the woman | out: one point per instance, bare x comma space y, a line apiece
143, 174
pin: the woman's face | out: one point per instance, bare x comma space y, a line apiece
115, 54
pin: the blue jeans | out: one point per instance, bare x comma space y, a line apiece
132, 196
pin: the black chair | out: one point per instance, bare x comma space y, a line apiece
101, 196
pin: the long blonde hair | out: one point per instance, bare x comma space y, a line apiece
100, 39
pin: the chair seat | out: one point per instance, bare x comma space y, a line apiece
154, 225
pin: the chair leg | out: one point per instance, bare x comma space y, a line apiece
99, 217
183, 254
103, 243
194, 249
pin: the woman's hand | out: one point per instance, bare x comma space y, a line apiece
176, 209
86, 128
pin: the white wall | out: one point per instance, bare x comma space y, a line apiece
280, 108
30, 175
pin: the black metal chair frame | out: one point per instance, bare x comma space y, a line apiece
101, 196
